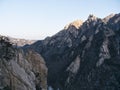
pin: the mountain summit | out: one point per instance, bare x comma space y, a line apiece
76, 23
92, 17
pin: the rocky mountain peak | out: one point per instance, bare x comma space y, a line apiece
76, 23
91, 17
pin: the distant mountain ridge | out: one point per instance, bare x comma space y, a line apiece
20, 42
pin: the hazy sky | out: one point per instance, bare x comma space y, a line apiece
36, 19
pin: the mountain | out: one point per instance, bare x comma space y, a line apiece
84, 55
21, 70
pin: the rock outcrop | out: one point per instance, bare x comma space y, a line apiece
21, 70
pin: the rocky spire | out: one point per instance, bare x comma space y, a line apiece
91, 17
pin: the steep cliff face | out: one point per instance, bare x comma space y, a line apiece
39, 68
20, 70
85, 57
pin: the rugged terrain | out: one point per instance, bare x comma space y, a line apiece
21, 70
84, 55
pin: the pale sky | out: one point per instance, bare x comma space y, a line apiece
37, 19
